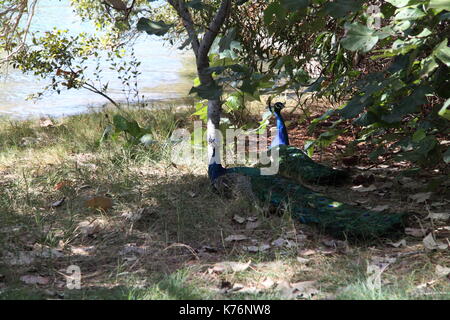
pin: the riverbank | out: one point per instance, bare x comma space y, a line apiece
140, 227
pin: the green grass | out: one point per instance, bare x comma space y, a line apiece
181, 214
360, 290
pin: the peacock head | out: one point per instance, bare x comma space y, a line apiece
276, 107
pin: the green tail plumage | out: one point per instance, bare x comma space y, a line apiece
296, 165
309, 207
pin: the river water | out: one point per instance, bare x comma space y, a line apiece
165, 72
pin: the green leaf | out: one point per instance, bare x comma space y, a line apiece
419, 135
424, 146
399, 3
425, 33
427, 66
309, 147
442, 52
408, 105
202, 111
440, 4
355, 106
366, 119
409, 13
444, 112
120, 123
359, 37
211, 91
294, 5
341, 8
274, 9
225, 41
248, 87
384, 32
196, 4
134, 129
158, 28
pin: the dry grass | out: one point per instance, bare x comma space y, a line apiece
164, 237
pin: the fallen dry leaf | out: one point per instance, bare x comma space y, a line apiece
251, 225
254, 249
421, 197
134, 216
439, 204
302, 260
227, 266
438, 216
307, 252
243, 289
62, 184
88, 228
239, 219
83, 251
401, 243
422, 286
236, 237
304, 289
268, 283
279, 242
430, 243
418, 233
380, 208
103, 203
442, 271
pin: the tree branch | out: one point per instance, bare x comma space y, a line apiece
188, 23
213, 29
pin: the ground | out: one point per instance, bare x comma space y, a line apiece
140, 227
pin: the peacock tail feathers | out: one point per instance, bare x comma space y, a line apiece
309, 207
297, 165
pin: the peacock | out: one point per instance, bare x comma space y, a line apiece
285, 191
295, 163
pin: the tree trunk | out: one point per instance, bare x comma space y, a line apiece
201, 49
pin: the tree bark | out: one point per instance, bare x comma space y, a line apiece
201, 50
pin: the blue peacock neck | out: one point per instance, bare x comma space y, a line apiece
281, 137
